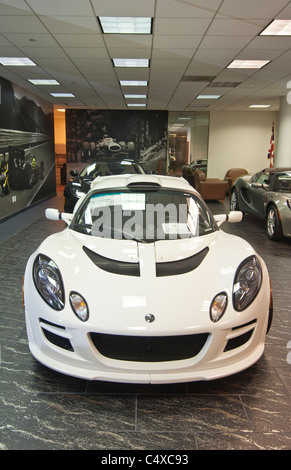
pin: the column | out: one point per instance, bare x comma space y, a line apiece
283, 148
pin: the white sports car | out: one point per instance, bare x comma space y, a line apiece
143, 286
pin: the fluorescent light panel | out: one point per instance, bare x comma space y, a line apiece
62, 95
260, 106
135, 96
247, 64
278, 28
16, 61
43, 82
125, 25
133, 83
208, 97
131, 62
136, 104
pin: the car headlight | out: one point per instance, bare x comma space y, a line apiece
247, 283
48, 281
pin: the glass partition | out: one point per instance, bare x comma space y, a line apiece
188, 140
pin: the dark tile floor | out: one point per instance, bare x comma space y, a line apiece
41, 409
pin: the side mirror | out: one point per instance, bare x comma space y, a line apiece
74, 173
232, 217
54, 214
235, 216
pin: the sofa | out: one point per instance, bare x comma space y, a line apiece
209, 188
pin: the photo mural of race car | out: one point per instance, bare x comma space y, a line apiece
4, 183
80, 183
267, 195
24, 169
142, 286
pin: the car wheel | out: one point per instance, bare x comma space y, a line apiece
273, 224
234, 206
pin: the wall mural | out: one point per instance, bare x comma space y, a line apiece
27, 158
93, 134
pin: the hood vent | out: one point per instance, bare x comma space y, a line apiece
173, 268
113, 266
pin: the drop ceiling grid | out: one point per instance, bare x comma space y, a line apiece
190, 37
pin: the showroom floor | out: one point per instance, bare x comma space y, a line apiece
41, 409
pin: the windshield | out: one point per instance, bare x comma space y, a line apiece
282, 182
106, 168
144, 216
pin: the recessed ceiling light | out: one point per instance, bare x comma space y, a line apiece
135, 96
247, 64
208, 97
278, 28
133, 83
61, 110
136, 104
43, 82
131, 62
16, 61
184, 118
260, 106
125, 25
62, 95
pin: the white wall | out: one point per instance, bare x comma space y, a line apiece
239, 140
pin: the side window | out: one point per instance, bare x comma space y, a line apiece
263, 178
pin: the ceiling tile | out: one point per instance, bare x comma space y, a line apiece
124, 7
86, 52
172, 54
71, 24
190, 27
79, 40
188, 9
234, 27
31, 39
14, 7
128, 41
223, 42
251, 8
43, 52
124, 53
61, 8
176, 42
21, 24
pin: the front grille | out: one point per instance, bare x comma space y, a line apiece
149, 348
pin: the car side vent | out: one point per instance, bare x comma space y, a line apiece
173, 268
113, 266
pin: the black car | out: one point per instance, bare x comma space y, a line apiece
80, 183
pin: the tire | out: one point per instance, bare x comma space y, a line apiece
234, 205
273, 224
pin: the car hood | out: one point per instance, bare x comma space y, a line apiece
119, 301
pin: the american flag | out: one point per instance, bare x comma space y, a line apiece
271, 150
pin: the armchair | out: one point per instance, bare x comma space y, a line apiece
232, 175
209, 188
